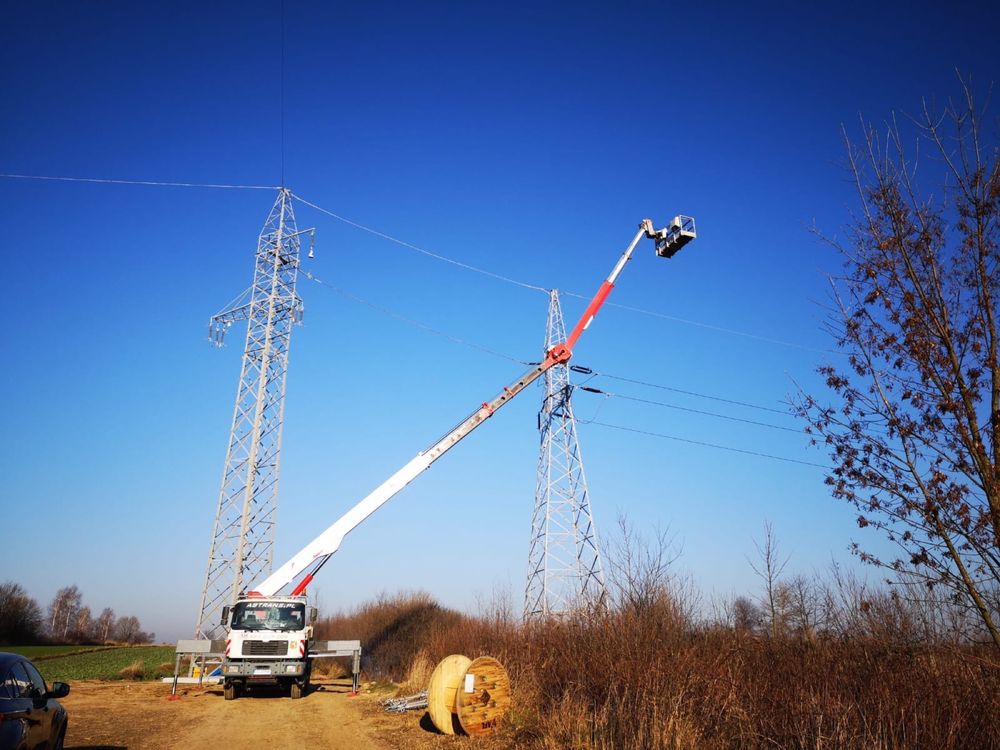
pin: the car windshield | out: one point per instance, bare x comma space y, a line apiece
268, 616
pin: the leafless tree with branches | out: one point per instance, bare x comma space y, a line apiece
769, 568
913, 427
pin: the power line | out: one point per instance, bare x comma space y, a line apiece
509, 280
589, 389
579, 369
424, 251
535, 287
464, 342
588, 371
711, 327
410, 321
139, 182
418, 249
282, 87
704, 444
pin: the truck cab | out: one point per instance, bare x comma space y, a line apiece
268, 644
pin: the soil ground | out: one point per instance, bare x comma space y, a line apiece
138, 715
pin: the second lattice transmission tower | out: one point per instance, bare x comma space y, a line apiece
564, 562
242, 546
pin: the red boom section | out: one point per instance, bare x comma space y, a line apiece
589, 313
301, 588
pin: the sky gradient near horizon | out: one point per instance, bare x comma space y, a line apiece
528, 140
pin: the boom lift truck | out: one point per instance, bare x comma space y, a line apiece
269, 639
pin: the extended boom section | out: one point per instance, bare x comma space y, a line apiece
320, 548
312, 557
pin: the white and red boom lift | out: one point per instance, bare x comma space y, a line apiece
268, 638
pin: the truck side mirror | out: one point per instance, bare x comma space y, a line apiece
313, 614
225, 614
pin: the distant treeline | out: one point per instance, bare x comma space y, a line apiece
66, 620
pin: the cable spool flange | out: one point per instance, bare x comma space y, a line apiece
448, 675
483, 698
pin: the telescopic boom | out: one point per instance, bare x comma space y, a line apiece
315, 554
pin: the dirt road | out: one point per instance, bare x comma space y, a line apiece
137, 715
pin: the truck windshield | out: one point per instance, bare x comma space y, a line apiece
269, 616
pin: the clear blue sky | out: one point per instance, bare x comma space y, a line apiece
525, 140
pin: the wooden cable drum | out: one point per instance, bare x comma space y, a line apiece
442, 689
483, 697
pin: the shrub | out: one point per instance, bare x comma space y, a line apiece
135, 671
653, 678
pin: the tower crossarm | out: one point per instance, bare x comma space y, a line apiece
220, 323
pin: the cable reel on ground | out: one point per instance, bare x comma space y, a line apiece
468, 696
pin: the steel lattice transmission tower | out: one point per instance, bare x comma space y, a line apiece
242, 548
564, 563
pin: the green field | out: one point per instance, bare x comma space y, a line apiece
47, 652
104, 664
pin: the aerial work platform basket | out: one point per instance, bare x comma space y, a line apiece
671, 239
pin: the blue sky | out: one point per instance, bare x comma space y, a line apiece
525, 140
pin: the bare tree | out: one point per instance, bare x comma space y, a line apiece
20, 615
769, 568
62, 611
639, 569
746, 615
129, 630
914, 426
104, 624
82, 625
802, 605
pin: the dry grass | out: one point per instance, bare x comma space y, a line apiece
648, 677
332, 668
391, 630
134, 671
419, 673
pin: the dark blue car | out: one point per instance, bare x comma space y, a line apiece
30, 716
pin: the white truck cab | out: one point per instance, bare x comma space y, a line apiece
267, 643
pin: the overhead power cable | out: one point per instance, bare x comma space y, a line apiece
464, 342
711, 327
704, 444
576, 368
598, 391
418, 249
410, 321
535, 287
139, 182
686, 393
428, 253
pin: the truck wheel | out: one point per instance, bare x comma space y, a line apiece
230, 690
296, 690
